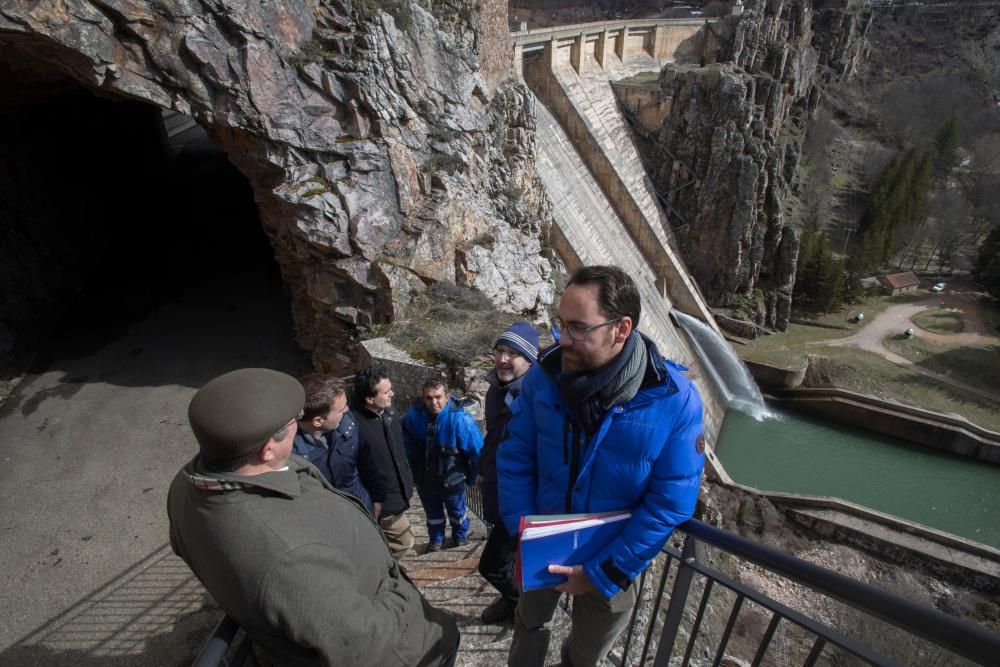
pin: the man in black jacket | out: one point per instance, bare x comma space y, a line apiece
381, 430
515, 350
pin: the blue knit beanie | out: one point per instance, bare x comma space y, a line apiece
522, 337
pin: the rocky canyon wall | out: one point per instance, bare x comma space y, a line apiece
728, 153
386, 144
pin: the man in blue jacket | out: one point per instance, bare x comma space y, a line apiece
443, 443
603, 424
328, 438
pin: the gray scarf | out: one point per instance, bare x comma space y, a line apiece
589, 396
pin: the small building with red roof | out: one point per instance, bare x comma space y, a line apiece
897, 283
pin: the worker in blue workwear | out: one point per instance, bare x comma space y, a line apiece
442, 443
603, 423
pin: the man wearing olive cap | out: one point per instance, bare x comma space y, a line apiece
301, 567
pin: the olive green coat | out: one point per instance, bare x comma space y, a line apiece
303, 569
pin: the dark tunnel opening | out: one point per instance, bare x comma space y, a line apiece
105, 218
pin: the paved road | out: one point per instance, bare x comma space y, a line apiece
89, 442
893, 321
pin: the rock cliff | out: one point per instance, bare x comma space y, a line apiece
385, 143
728, 153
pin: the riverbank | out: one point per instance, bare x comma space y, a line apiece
942, 371
882, 536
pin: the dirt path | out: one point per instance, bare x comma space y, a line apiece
896, 319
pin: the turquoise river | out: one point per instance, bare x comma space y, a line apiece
797, 454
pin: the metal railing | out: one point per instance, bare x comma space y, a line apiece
686, 614
219, 650
474, 501
698, 606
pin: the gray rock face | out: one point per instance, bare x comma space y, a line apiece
726, 157
380, 157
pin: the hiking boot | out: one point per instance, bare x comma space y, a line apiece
461, 543
499, 610
434, 546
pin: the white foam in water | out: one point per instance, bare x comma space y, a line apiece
727, 371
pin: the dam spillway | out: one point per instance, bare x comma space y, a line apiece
605, 207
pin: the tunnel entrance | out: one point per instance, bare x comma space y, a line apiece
110, 215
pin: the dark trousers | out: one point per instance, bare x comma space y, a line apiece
496, 563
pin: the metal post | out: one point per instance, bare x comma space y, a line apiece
678, 599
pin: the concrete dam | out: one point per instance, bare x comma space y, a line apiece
605, 207
607, 210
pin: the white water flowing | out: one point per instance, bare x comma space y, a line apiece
727, 371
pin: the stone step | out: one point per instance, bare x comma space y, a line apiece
450, 580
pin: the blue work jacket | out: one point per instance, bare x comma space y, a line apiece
455, 460
646, 457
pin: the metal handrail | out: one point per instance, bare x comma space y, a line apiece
214, 651
965, 639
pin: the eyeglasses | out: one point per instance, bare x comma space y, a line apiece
578, 332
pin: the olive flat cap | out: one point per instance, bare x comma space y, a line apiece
238, 411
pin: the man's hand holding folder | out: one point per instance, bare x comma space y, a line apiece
553, 548
577, 581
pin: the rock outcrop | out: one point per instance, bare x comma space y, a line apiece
728, 153
382, 156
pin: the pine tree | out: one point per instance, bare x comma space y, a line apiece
807, 251
946, 143
988, 263
899, 199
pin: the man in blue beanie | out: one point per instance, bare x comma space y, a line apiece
514, 351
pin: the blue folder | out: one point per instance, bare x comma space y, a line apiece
573, 544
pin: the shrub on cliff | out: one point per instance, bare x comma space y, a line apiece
451, 325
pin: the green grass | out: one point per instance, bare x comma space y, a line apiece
789, 349
940, 320
975, 366
870, 374
642, 78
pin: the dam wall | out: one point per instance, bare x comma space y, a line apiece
605, 207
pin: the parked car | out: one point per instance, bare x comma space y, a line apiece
937, 287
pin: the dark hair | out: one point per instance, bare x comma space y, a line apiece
433, 383
617, 294
365, 381
321, 390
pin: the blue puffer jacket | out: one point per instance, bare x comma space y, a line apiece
645, 457
339, 456
455, 461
